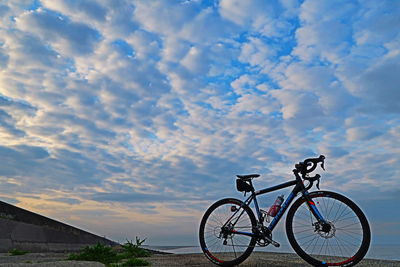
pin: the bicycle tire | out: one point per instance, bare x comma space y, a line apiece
211, 241
348, 238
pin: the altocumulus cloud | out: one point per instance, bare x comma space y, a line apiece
148, 108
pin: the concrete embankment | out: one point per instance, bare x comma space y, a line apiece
25, 230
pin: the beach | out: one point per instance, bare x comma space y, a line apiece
257, 259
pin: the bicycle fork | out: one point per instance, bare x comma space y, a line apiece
321, 225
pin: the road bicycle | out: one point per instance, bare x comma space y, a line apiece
324, 228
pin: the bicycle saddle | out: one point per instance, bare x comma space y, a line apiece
248, 176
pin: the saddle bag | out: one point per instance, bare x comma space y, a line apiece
243, 186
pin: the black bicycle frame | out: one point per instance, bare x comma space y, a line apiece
299, 187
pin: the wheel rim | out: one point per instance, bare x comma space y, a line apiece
221, 243
335, 243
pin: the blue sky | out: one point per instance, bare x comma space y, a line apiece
129, 118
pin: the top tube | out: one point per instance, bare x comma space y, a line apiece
276, 187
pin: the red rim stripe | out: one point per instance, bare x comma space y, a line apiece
341, 263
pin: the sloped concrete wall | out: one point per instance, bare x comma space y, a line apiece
26, 230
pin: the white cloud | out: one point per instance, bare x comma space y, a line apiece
196, 61
65, 36
246, 12
378, 85
164, 17
79, 10
258, 53
162, 103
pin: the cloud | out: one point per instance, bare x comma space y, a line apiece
162, 103
90, 10
66, 36
170, 18
362, 133
71, 201
372, 31
243, 13
378, 85
314, 40
131, 197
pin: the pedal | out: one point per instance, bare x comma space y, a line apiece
274, 243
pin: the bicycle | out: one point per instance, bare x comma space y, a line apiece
324, 228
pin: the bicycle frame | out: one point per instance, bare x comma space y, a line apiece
324, 228
299, 187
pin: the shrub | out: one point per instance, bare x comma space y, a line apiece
17, 252
134, 250
110, 257
135, 262
99, 252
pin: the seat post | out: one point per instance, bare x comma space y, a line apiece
251, 184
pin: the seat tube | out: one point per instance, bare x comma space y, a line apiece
254, 197
256, 205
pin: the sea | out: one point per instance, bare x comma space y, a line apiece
384, 252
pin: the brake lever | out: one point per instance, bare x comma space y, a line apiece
317, 178
322, 159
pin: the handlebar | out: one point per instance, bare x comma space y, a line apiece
308, 166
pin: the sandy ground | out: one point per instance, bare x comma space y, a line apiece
256, 259
158, 260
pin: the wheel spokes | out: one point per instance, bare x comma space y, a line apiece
219, 232
341, 238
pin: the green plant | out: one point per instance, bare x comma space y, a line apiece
17, 252
135, 262
134, 250
99, 252
109, 256
7, 216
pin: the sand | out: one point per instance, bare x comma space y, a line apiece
158, 260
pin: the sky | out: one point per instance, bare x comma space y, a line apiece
130, 118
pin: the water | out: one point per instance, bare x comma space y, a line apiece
384, 252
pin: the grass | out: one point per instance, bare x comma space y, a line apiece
99, 252
17, 252
134, 250
128, 255
7, 216
135, 262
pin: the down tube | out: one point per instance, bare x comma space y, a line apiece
282, 210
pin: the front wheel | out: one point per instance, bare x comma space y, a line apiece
227, 232
344, 238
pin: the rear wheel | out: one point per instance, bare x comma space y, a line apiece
219, 227
342, 241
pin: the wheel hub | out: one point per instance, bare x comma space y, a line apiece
224, 233
325, 230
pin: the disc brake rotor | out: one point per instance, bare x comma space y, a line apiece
326, 234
